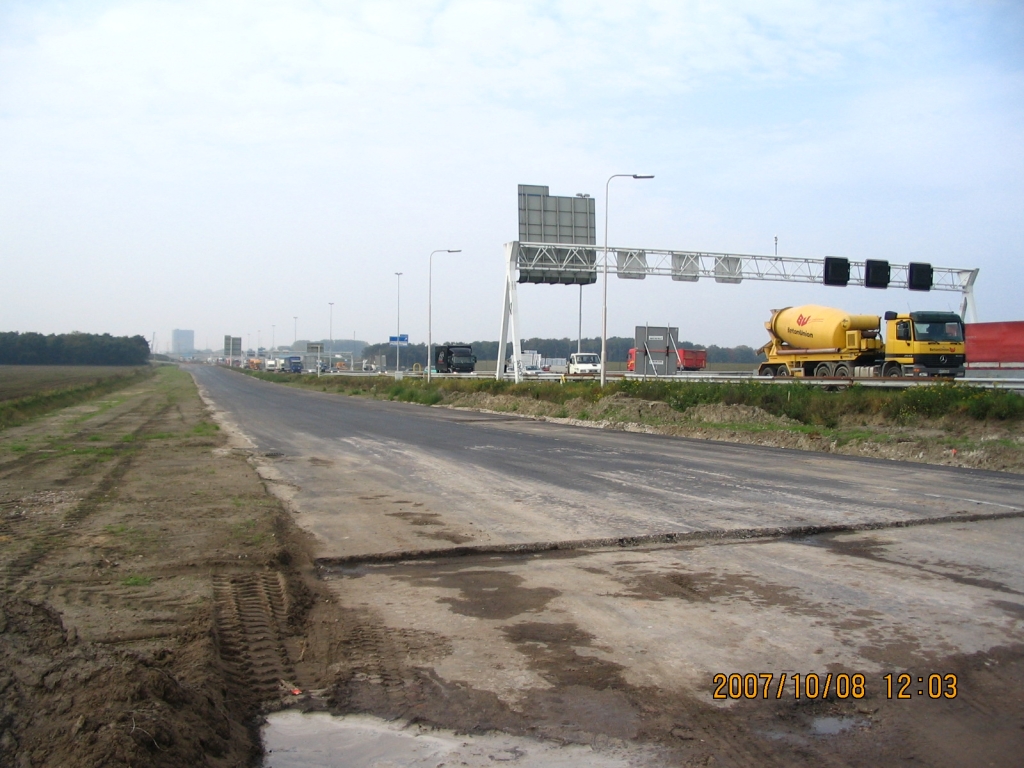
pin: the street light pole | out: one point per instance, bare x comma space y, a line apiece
273, 337
295, 336
579, 338
330, 355
398, 333
604, 303
430, 298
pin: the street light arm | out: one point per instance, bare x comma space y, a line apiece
604, 304
430, 300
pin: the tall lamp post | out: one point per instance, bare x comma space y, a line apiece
295, 336
430, 298
398, 332
604, 303
330, 355
273, 337
579, 338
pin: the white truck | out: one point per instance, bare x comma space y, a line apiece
584, 363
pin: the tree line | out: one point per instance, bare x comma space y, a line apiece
618, 350
72, 349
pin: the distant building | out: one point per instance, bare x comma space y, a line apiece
183, 342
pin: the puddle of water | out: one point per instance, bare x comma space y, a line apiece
319, 740
829, 726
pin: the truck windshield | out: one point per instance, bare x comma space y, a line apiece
462, 359
588, 359
938, 331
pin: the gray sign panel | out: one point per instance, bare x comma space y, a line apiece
656, 350
631, 265
686, 267
545, 218
232, 346
728, 269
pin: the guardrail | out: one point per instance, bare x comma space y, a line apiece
1013, 384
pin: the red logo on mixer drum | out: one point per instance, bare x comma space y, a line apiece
802, 320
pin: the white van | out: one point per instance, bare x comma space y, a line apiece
584, 362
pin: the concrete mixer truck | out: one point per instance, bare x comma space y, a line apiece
826, 342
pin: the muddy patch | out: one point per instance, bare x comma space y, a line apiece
487, 594
417, 518
553, 650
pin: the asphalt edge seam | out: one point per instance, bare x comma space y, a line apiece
629, 542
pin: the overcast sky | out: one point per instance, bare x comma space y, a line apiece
228, 166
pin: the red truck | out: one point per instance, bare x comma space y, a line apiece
689, 360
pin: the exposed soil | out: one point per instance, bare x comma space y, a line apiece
952, 441
157, 601
140, 559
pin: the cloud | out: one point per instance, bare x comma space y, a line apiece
278, 139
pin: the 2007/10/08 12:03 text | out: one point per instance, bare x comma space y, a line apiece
842, 685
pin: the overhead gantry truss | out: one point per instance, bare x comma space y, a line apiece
564, 263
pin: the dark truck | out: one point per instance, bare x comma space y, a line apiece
454, 358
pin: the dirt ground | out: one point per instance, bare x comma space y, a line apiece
135, 549
157, 600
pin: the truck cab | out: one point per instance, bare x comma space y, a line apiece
454, 358
924, 344
584, 363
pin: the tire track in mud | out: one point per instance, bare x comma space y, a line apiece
250, 616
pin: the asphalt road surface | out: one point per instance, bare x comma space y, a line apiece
934, 586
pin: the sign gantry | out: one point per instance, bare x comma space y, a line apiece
577, 264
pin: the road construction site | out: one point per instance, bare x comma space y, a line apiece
453, 585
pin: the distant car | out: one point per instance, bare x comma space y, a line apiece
531, 370
584, 363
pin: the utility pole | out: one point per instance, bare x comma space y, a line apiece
398, 332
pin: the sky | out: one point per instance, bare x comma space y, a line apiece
227, 167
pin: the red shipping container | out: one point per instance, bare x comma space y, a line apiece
994, 343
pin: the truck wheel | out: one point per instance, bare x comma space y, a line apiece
842, 371
894, 371
783, 371
766, 370
823, 370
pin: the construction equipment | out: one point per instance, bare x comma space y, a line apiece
825, 342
